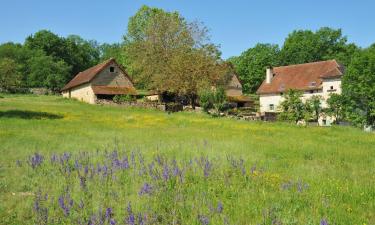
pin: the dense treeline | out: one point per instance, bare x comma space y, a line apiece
47, 60
163, 51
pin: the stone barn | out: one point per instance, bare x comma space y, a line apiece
102, 81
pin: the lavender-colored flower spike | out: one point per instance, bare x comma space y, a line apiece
203, 220
323, 222
220, 207
146, 189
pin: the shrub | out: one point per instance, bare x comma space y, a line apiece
123, 98
213, 100
205, 100
292, 107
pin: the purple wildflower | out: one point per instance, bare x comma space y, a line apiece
207, 168
146, 189
166, 172
203, 220
66, 203
108, 213
220, 207
323, 222
112, 221
36, 160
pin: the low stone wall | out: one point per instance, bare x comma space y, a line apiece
144, 105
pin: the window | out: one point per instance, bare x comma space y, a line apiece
111, 69
272, 107
331, 87
311, 91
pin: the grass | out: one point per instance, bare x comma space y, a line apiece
293, 175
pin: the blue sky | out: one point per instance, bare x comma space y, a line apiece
235, 25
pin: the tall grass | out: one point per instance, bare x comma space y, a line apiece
232, 172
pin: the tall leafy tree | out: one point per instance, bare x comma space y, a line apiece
167, 53
303, 46
45, 71
336, 106
251, 65
359, 87
10, 77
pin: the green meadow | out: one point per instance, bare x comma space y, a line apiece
181, 168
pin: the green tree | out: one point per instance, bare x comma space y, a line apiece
10, 78
292, 108
78, 53
303, 46
313, 105
359, 87
335, 108
167, 53
252, 64
44, 71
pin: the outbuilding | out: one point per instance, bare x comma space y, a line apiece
102, 81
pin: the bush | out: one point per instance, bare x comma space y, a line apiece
213, 100
205, 100
123, 98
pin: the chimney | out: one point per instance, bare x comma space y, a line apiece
269, 75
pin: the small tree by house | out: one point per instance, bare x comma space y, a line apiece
335, 107
292, 107
314, 106
214, 99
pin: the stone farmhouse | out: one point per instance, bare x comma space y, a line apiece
317, 78
102, 81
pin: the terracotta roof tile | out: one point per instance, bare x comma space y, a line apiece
308, 76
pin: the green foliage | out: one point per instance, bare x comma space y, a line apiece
45, 71
303, 46
123, 98
336, 105
213, 99
10, 77
359, 87
205, 100
313, 106
251, 65
169, 54
292, 108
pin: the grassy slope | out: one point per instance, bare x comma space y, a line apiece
336, 162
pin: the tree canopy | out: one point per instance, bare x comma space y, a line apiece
167, 53
359, 87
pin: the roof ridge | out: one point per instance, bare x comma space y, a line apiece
309, 63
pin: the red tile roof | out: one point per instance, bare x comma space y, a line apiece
308, 76
89, 74
110, 90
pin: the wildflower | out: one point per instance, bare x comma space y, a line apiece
36, 160
65, 203
112, 221
207, 168
146, 189
166, 172
220, 207
323, 222
108, 213
203, 220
